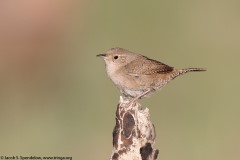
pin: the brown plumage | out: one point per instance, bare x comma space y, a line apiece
148, 66
137, 76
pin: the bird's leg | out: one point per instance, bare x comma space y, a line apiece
144, 93
141, 95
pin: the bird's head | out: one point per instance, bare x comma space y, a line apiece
115, 58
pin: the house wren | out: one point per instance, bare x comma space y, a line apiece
137, 76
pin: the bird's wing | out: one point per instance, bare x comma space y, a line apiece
146, 66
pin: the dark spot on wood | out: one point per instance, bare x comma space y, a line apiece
146, 151
156, 154
115, 156
118, 111
115, 134
128, 124
136, 77
139, 133
116, 129
127, 129
120, 152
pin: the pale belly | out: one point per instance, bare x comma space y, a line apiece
136, 89
134, 86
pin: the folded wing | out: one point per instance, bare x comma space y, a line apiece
148, 67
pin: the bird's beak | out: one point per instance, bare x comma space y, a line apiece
101, 55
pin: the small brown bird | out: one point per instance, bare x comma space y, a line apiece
137, 76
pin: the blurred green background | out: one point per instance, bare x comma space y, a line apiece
56, 99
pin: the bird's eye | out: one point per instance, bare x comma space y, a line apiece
115, 57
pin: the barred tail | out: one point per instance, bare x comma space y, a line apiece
178, 72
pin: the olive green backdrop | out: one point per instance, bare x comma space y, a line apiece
70, 110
